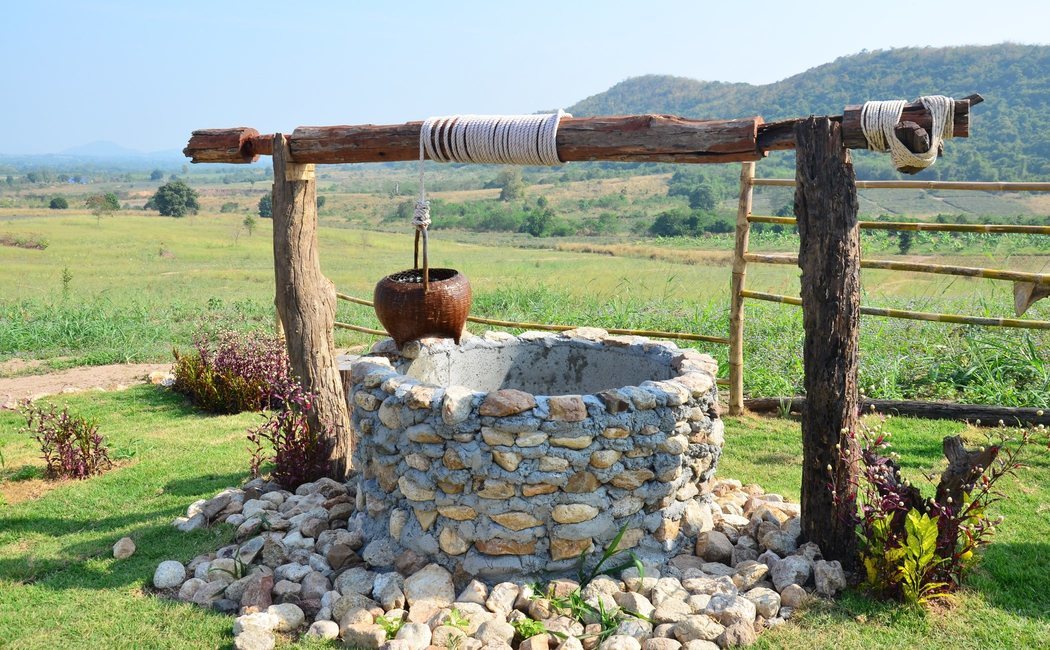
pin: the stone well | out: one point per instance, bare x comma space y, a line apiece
512, 455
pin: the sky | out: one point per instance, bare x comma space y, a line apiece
144, 74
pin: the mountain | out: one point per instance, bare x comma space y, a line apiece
102, 149
1009, 135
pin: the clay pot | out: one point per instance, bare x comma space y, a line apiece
407, 312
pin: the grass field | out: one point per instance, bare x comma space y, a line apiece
61, 588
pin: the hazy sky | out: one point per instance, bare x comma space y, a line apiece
144, 74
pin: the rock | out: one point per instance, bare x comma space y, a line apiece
501, 403
567, 408
339, 555
416, 635
793, 596
254, 639
258, 591
247, 551
661, 644
501, 598
829, 577
356, 580
573, 643
767, 601
620, 642
379, 553
635, 581
698, 602
475, 592
363, 635
794, 569
262, 621
573, 513
738, 634
189, 588
169, 574
387, 591
495, 631
356, 616
697, 627
324, 630
315, 585
432, 584
538, 642
445, 636
714, 546
668, 588
124, 548
289, 616
634, 602
748, 574
189, 524
635, 628
208, 593
700, 645
731, 609
671, 611
780, 542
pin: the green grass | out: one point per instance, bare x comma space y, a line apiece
60, 586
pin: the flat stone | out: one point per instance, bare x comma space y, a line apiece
564, 549
421, 396
508, 460
530, 439
458, 513
573, 513
422, 433
452, 460
567, 408
356, 580
780, 542
508, 401
605, 458
413, 491
632, 479
538, 642
418, 462
572, 442
582, 482
498, 546
425, 518
658, 643
516, 520
615, 433
748, 574
496, 490
739, 634
258, 591
451, 543
538, 489
493, 436
124, 548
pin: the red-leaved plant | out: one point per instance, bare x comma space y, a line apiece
918, 548
70, 444
299, 455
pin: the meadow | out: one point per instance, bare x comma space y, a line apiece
81, 289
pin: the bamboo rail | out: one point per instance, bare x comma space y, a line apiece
358, 328
958, 319
978, 414
551, 328
982, 186
943, 269
923, 226
736, 306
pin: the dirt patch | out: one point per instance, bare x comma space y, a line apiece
13, 367
113, 377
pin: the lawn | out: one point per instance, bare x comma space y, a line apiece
60, 587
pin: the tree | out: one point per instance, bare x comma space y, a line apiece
249, 223
103, 204
229, 206
266, 206
511, 184
321, 201
904, 241
156, 175
10, 179
703, 197
538, 223
174, 199
58, 203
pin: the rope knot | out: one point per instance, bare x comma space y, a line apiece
879, 119
421, 216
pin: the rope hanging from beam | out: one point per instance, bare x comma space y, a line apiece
878, 119
493, 139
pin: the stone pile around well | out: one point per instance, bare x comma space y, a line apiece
507, 456
300, 564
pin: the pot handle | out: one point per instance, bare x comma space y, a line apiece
426, 262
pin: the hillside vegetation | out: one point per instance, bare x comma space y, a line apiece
1010, 138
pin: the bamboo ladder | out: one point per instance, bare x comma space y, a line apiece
742, 257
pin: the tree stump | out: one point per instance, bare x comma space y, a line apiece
829, 255
306, 301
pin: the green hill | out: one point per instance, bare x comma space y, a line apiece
1010, 134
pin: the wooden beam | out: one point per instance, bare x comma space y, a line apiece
826, 207
977, 414
306, 302
776, 136
224, 145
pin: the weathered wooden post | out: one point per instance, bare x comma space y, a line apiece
736, 300
306, 300
829, 254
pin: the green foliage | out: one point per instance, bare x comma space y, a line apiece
229, 206
526, 628
321, 200
59, 203
266, 206
249, 223
456, 618
390, 624
174, 199
904, 241
511, 184
156, 175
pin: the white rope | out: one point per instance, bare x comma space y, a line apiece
879, 119
492, 139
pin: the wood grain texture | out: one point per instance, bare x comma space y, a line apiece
826, 207
222, 146
306, 305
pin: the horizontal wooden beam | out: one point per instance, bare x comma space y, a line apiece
978, 414
958, 319
629, 138
979, 186
774, 136
626, 138
923, 226
917, 267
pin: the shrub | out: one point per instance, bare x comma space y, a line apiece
59, 203
240, 372
174, 199
70, 444
917, 549
298, 454
228, 207
266, 206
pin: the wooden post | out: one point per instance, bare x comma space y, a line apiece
829, 254
306, 300
736, 305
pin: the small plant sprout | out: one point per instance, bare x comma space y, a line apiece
391, 625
